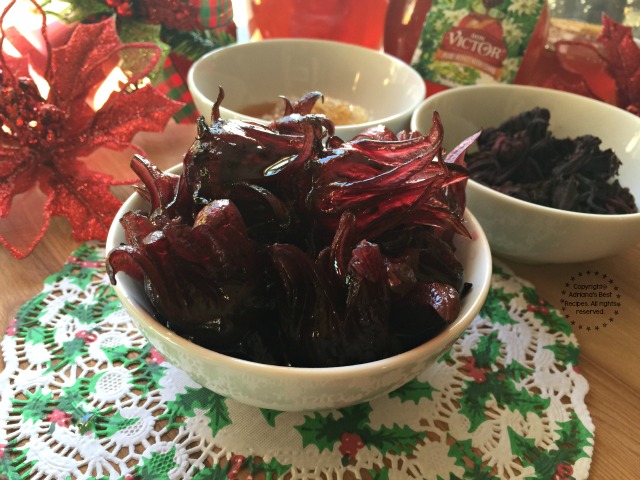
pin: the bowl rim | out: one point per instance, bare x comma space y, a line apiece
191, 82
534, 207
437, 343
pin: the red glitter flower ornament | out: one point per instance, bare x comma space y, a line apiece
46, 139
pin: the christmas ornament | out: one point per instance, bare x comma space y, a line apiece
48, 132
184, 30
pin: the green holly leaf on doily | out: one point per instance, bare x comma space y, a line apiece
487, 350
382, 474
496, 307
108, 425
476, 394
271, 470
256, 467
545, 312
73, 398
13, 462
35, 406
117, 353
565, 353
516, 371
68, 352
147, 375
324, 431
88, 313
82, 277
184, 405
27, 323
270, 416
468, 458
394, 439
217, 472
38, 334
157, 466
499, 271
414, 391
573, 439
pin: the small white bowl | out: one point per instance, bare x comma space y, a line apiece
523, 231
259, 72
298, 389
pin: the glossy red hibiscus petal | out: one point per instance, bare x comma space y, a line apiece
161, 187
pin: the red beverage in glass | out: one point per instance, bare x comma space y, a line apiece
359, 22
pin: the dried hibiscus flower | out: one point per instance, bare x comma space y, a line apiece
283, 244
522, 158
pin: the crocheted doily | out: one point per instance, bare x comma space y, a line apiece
83, 395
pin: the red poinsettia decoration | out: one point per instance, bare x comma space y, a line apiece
46, 139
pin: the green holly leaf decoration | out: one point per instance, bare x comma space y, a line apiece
203, 399
321, 431
395, 439
414, 391
116, 354
516, 371
271, 470
35, 407
13, 462
270, 416
73, 398
499, 271
476, 394
147, 375
157, 466
325, 431
94, 312
68, 352
496, 307
39, 334
467, 457
487, 350
565, 353
109, 425
28, 318
573, 439
216, 472
545, 312
382, 474
76, 274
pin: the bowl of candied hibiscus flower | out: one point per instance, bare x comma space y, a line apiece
554, 177
288, 269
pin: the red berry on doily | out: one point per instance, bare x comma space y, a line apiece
350, 444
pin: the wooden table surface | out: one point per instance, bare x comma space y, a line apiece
610, 356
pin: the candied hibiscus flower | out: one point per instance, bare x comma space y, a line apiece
284, 244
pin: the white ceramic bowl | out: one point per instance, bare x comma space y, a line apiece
523, 231
259, 72
297, 389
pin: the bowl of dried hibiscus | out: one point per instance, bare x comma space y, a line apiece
554, 176
288, 269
